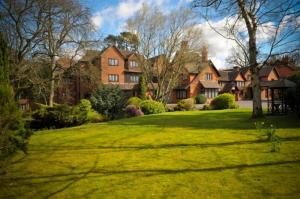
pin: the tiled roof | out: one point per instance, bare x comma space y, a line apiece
228, 75
210, 84
265, 70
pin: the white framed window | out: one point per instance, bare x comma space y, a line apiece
208, 76
240, 83
113, 78
210, 92
133, 64
113, 62
134, 78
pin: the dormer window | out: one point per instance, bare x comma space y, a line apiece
133, 64
112, 62
208, 76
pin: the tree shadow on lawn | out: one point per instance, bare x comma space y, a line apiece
160, 146
103, 173
218, 120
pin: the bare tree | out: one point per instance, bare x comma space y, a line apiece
160, 39
22, 23
67, 27
260, 28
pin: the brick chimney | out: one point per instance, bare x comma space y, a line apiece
204, 54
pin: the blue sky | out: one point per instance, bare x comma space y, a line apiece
109, 17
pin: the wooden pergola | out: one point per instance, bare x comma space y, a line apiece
278, 89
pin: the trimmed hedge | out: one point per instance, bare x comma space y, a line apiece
200, 99
224, 101
185, 104
152, 107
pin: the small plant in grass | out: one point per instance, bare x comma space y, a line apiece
270, 132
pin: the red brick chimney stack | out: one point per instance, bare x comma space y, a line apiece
204, 54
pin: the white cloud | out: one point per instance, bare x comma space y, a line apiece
97, 21
116, 15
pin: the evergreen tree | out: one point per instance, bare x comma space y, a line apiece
142, 88
13, 134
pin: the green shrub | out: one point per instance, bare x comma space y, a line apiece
108, 100
59, 116
185, 104
293, 98
85, 105
201, 99
224, 101
152, 107
134, 101
94, 117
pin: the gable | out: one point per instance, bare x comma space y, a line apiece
239, 77
208, 68
273, 75
112, 52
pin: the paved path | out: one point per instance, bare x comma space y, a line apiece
248, 104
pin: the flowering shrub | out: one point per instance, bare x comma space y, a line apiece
133, 111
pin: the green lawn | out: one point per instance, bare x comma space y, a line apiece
195, 154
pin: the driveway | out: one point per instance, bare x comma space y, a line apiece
248, 104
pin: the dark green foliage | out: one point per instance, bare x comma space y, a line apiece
4, 65
152, 107
200, 99
124, 41
224, 101
59, 116
185, 104
142, 88
13, 134
108, 100
134, 101
293, 94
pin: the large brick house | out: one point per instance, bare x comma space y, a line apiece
119, 67
109, 66
232, 81
198, 77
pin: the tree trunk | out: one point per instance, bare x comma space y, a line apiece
257, 108
52, 82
